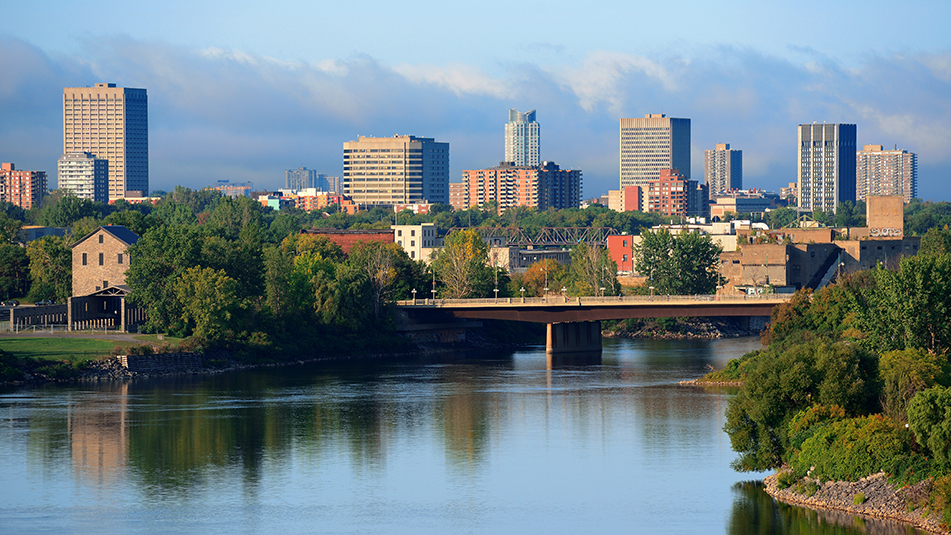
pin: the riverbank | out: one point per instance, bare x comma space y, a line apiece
179, 363
882, 500
679, 328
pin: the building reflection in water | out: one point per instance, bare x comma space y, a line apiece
97, 434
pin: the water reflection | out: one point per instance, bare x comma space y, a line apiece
754, 512
493, 442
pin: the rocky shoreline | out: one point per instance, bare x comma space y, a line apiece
681, 329
883, 500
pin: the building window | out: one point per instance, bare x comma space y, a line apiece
624, 258
120, 258
100, 238
105, 284
412, 254
412, 233
100, 259
84, 259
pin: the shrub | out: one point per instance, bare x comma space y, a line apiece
851, 449
786, 479
940, 500
859, 498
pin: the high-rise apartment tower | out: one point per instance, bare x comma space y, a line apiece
826, 166
886, 172
650, 144
723, 169
396, 170
84, 175
111, 123
522, 138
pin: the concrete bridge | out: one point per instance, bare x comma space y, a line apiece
574, 323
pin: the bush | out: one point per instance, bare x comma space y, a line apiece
910, 469
859, 498
786, 479
940, 500
848, 450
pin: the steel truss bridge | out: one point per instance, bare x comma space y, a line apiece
546, 236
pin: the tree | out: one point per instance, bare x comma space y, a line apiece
929, 418
678, 265
910, 307
781, 217
156, 262
62, 210
14, 270
905, 373
51, 268
783, 382
209, 301
547, 273
461, 265
592, 269
389, 270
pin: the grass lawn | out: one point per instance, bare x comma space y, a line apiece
58, 348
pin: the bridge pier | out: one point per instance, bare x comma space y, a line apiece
573, 337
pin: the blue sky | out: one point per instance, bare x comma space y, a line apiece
243, 92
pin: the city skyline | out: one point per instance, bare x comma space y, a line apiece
242, 101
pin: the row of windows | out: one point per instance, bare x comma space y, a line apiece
119, 260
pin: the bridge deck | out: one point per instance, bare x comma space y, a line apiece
558, 309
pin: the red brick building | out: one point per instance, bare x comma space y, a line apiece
22, 188
669, 194
621, 249
544, 186
346, 239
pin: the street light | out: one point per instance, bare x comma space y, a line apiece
434, 285
564, 293
522, 289
414, 296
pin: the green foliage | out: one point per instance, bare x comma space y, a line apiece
904, 373
51, 268
850, 449
735, 369
684, 264
910, 307
14, 271
929, 418
590, 270
62, 210
940, 500
922, 216
781, 217
462, 266
210, 302
158, 259
786, 479
859, 498
785, 381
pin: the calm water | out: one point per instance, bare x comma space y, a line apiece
497, 443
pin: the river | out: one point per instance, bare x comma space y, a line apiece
503, 442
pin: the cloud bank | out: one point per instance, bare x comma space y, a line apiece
226, 114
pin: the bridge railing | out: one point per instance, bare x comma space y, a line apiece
553, 300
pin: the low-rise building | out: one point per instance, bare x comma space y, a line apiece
22, 188
419, 241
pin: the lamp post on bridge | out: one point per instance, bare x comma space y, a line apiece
434, 285
522, 289
414, 296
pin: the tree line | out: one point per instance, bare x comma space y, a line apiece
854, 379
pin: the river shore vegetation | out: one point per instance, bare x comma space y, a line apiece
854, 380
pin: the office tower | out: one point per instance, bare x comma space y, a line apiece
522, 138
723, 169
300, 178
886, 172
111, 123
22, 188
826, 166
396, 170
650, 144
84, 175
543, 186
